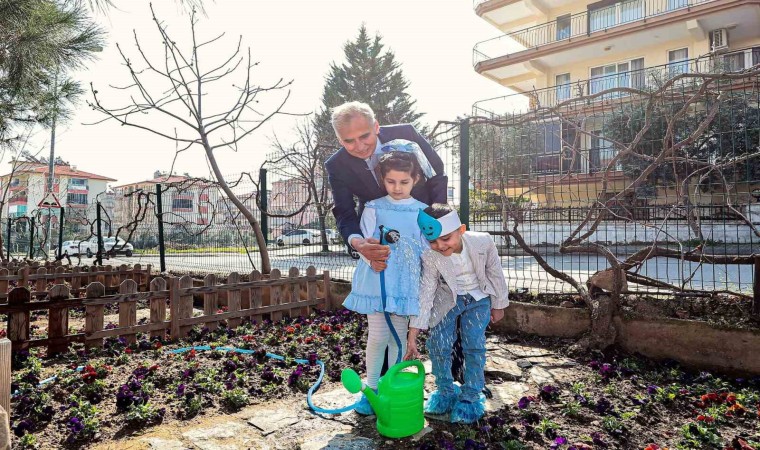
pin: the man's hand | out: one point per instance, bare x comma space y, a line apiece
371, 249
496, 315
378, 266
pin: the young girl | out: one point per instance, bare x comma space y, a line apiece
399, 171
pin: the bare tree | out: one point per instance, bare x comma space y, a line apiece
182, 101
695, 100
303, 162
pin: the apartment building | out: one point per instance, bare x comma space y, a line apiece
184, 200
74, 188
551, 51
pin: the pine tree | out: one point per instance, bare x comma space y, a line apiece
372, 75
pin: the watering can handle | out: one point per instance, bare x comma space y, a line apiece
403, 365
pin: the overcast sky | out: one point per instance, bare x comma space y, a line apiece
294, 40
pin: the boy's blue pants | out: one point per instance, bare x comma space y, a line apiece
474, 317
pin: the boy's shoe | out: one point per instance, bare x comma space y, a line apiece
364, 407
439, 404
468, 412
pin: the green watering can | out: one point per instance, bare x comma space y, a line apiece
399, 398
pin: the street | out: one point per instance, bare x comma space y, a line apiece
522, 272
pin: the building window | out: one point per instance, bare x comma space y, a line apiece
563, 86
678, 61
628, 74
78, 182
631, 10
603, 18
15, 182
733, 62
601, 153
182, 203
563, 27
76, 199
677, 4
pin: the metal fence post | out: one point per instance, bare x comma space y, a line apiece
8, 242
464, 172
31, 238
60, 233
263, 195
99, 256
756, 286
160, 217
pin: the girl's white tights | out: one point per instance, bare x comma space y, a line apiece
379, 338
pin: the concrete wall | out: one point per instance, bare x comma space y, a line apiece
692, 343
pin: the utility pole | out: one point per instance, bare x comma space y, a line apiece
51, 162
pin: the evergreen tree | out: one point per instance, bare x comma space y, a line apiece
371, 75
40, 42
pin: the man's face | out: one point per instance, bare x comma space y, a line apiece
450, 243
359, 137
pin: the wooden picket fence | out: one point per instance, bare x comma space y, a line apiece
254, 299
77, 277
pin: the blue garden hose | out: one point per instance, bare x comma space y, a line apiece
383, 297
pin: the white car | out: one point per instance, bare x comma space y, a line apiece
332, 236
90, 247
303, 236
74, 248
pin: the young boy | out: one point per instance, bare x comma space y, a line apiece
461, 278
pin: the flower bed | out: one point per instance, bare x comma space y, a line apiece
124, 388
617, 401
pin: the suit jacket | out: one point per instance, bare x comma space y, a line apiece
349, 176
438, 293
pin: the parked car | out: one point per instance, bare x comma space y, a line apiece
333, 236
90, 247
303, 236
74, 248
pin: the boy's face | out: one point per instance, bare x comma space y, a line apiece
450, 243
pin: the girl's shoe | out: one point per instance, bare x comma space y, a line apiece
364, 407
439, 404
468, 412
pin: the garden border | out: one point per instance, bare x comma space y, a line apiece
690, 342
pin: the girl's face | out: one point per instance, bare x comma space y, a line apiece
399, 184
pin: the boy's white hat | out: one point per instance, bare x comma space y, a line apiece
433, 228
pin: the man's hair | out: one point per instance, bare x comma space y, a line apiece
402, 162
438, 210
343, 114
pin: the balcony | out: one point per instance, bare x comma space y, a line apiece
649, 78
569, 27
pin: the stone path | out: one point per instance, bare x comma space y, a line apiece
512, 371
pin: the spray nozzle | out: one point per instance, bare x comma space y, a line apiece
389, 236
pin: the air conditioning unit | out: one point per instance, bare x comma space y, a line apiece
718, 40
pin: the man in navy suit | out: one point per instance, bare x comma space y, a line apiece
351, 174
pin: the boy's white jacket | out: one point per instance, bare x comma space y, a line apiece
438, 273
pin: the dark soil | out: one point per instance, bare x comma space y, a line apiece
125, 388
614, 401
716, 308
610, 401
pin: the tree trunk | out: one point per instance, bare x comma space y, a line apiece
260, 240
322, 227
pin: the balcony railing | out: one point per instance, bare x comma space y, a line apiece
648, 78
566, 27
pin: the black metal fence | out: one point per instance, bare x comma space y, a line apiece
664, 179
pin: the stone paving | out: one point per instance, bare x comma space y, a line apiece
512, 371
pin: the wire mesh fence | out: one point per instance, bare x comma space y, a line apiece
660, 181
